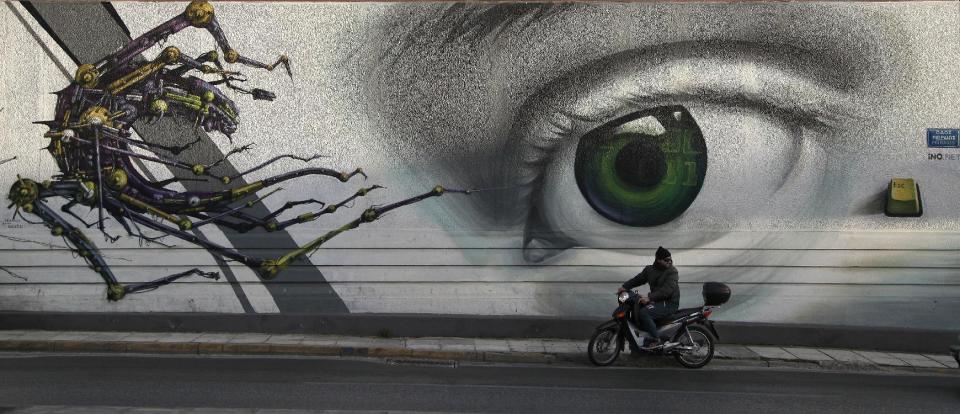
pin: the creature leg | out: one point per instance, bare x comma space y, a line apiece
82, 246
29, 196
270, 268
141, 219
305, 217
250, 222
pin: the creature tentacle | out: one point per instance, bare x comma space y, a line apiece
271, 268
307, 217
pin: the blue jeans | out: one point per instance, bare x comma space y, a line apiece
645, 314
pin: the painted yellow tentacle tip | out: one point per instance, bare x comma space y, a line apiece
231, 56
209, 96
270, 269
344, 177
28, 208
199, 169
185, 224
115, 292
438, 190
330, 209
271, 226
171, 54
57, 231
199, 13
225, 179
369, 215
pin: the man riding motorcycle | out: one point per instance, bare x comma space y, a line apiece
664, 296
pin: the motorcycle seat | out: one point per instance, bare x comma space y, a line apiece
676, 315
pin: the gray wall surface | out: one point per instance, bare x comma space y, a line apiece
807, 111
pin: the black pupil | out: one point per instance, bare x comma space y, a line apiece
641, 162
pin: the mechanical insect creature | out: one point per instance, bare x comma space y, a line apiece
91, 141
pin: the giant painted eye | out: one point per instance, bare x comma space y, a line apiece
643, 169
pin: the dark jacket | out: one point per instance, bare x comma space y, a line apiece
663, 284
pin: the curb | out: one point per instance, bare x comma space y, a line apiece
239, 348
887, 339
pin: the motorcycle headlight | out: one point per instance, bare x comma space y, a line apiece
623, 297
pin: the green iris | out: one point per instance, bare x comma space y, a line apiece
643, 169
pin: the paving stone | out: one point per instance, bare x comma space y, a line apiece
492, 345
179, 337
248, 338
108, 336
847, 356
917, 360
736, 352
943, 359
422, 343
285, 339
10, 334
143, 337
881, 358
458, 344
367, 344
32, 335
214, 337
385, 343
319, 342
808, 354
71, 336
88, 410
526, 345
564, 347
772, 352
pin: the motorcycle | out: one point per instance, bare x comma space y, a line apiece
692, 334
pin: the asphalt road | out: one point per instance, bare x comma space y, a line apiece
339, 384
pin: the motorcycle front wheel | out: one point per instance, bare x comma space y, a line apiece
604, 346
695, 349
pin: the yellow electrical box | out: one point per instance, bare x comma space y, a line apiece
903, 198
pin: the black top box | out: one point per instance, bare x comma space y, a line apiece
715, 293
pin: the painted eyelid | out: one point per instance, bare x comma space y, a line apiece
573, 105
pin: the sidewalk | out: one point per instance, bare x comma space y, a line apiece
450, 350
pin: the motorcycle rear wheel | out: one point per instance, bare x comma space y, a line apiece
604, 346
696, 349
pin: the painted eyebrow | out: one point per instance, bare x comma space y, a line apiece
472, 23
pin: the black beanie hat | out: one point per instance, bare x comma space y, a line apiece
662, 253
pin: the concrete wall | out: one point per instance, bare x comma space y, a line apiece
806, 112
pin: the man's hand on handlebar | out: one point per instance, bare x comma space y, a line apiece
621, 290
644, 299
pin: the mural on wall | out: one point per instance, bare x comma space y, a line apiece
91, 141
778, 148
